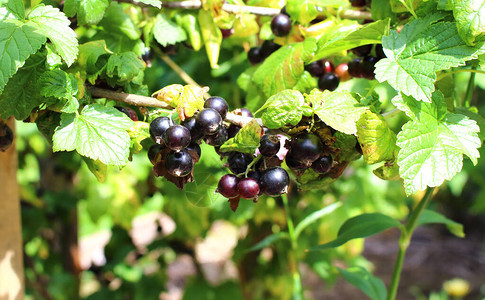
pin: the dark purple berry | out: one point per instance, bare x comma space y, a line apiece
323, 164
268, 47
6, 137
254, 175
306, 148
244, 112
179, 164
147, 57
274, 181
227, 32
158, 128
315, 68
358, 3
154, 153
195, 148
238, 162
129, 112
355, 67
227, 186
233, 130
380, 51
217, 103
362, 50
329, 81
269, 145
217, 139
195, 131
368, 66
294, 164
176, 137
254, 56
248, 188
209, 121
281, 25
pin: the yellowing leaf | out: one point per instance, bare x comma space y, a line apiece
185, 99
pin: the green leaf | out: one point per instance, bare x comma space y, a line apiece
306, 83
377, 140
17, 42
138, 133
60, 85
286, 107
389, 171
156, 3
360, 226
190, 24
246, 140
125, 66
70, 7
17, 8
96, 167
349, 37
89, 53
284, 68
302, 11
472, 113
269, 240
365, 281
186, 99
470, 19
432, 217
381, 9
117, 21
422, 48
433, 143
315, 216
21, 94
339, 110
166, 32
55, 25
91, 11
347, 147
212, 36
99, 133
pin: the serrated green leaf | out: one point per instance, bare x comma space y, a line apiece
17, 8
285, 107
270, 240
166, 32
350, 37
365, 281
126, 67
381, 9
306, 83
89, 54
346, 145
422, 48
21, 94
18, 41
472, 113
212, 36
156, 3
61, 86
91, 11
432, 145
470, 19
302, 11
377, 140
339, 110
315, 216
70, 7
53, 60
120, 43
52, 23
99, 133
284, 68
115, 20
98, 169
246, 140
432, 217
360, 226
185, 99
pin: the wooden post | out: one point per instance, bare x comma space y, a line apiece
11, 266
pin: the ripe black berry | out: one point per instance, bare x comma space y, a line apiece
329, 81
368, 66
227, 186
233, 130
254, 175
294, 164
147, 56
245, 112
153, 153
158, 128
6, 137
176, 137
269, 145
128, 111
179, 164
281, 25
217, 103
217, 139
195, 148
209, 121
238, 162
268, 47
315, 68
195, 131
323, 164
248, 188
255, 56
306, 148
380, 51
274, 181
355, 68
362, 50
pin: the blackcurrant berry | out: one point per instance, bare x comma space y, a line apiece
244, 112
195, 148
191, 125
227, 32
248, 188
315, 68
368, 66
281, 25
255, 56
269, 145
217, 103
306, 148
268, 47
342, 72
362, 50
227, 186
154, 153
238, 162
380, 51
329, 81
217, 139
323, 164
355, 68
254, 175
209, 121
147, 56
274, 181
176, 137
158, 128
294, 164
233, 130
179, 164
128, 111
6, 137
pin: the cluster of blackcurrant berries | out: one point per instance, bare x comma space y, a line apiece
6, 136
177, 146
307, 151
363, 66
257, 55
326, 73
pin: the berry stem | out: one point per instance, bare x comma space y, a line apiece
405, 240
470, 88
297, 283
255, 160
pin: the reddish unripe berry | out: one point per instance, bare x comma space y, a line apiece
248, 188
227, 186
